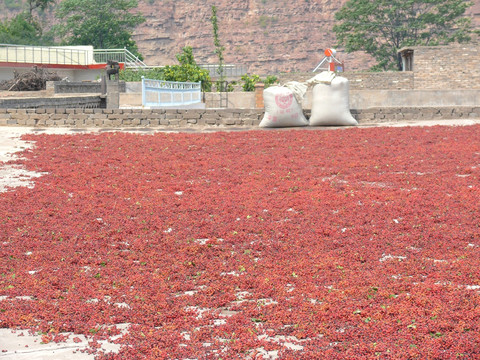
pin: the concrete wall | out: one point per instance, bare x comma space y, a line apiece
82, 118
130, 99
78, 87
133, 87
361, 99
6, 73
52, 102
235, 100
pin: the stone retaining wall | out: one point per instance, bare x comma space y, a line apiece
209, 117
400, 114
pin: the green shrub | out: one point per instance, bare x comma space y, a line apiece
187, 71
249, 81
270, 80
231, 86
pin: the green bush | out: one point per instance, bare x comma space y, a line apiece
270, 80
249, 81
187, 71
231, 86
130, 75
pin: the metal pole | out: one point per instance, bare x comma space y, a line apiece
144, 98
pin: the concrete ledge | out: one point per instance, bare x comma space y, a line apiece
104, 118
78, 87
84, 101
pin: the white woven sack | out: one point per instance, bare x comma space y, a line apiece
281, 108
330, 104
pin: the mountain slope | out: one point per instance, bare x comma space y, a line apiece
267, 36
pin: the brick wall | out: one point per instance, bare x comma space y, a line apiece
119, 118
389, 80
453, 66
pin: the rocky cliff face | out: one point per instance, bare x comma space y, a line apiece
268, 36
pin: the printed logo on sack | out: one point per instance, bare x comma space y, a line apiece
284, 101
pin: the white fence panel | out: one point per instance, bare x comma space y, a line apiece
160, 93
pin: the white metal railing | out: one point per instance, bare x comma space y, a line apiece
67, 55
160, 93
228, 70
120, 55
44, 55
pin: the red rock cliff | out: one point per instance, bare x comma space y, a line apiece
268, 36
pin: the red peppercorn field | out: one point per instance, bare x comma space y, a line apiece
359, 243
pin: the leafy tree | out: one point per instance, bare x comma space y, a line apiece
25, 28
188, 70
382, 27
103, 24
186, 57
12, 4
20, 30
38, 4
